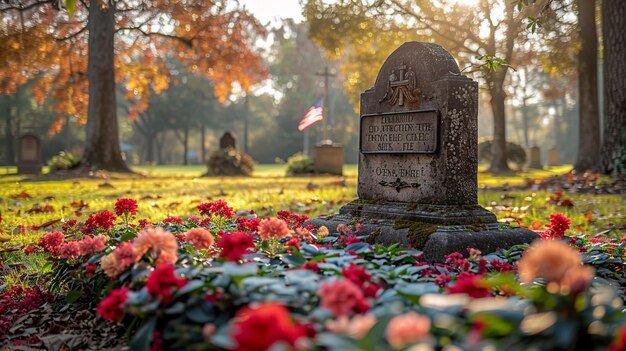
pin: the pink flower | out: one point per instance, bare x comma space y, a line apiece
341, 297
200, 238
125, 255
90, 245
406, 329
356, 327
69, 250
50, 242
273, 228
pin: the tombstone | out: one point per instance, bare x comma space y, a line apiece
227, 141
328, 158
29, 154
535, 157
418, 160
553, 157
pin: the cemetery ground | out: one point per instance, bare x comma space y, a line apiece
343, 293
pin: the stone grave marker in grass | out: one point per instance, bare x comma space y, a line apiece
418, 161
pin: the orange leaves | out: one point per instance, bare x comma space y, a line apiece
56, 126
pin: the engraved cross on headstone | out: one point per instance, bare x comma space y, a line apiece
401, 88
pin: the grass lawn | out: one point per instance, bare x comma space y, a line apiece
177, 190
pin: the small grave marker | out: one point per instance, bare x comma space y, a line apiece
29, 154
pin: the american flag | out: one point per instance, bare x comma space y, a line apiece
313, 115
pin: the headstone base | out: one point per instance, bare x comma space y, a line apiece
33, 168
437, 230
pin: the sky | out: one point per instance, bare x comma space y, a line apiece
273, 10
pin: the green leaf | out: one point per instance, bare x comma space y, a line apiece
72, 296
128, 236
70, 6
176, 308
191, 285
295, 260
143, 338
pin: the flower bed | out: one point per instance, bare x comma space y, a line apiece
222, 280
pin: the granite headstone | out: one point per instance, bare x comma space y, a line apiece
418, 160
535, 157
29, 154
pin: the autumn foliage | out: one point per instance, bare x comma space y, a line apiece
153, 39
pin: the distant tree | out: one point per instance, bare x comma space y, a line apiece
614, 38
490, 30
84, 52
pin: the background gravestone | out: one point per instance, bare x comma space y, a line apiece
227, 141
418, 159
535, 157
29, 154
553, 157
328, 158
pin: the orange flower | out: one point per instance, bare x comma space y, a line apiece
200, 238
407, 328
556, 262
158, 242
273, 228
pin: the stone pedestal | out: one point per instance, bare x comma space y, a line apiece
29, 154
535, 158
328, 158
418, 160
553, 157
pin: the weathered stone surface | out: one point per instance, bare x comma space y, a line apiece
29, 154
420, 80
418, 160
535, 157
328, 158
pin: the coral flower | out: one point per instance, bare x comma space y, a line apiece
69, 250
111, 307
111, 267
126, 207
356, 327
547, 259
273, 228
90, 245
125, 255
161, 281
160, 243
407, 328
234, 245
341, 297
200, 238
257, 328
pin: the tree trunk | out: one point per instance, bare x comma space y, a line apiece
159, 149
202, 140
150, 148
186, 146
246, 110
9, 139
588, 119
102, 150
525, 122
613, 157
498, 147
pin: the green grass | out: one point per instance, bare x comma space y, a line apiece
177, 190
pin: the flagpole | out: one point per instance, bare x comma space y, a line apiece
305, 145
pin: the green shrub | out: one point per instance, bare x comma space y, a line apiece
229, 162
63, 161
299, 164
514, 153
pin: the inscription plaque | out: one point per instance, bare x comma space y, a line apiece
410, 132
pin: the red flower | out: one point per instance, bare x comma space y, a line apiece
234, 245
125, 206
293, 242
559, 224
104, 220
470, 284
69, 224
143, 223
341, 297
30, 249
174, 220
442, 279
312, 266
110, 308
161, 281
257, 328
293, 220
619, 344
245, 224
217, 208
51, 241
362, 279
